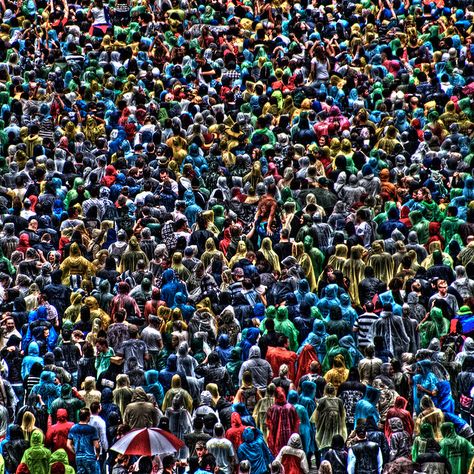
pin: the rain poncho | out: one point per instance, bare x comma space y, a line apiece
368, 405
255, 450
37, 457
459, 451
286, 327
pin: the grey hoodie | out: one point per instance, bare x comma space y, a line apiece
261, 370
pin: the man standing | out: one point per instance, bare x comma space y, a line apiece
99, 424
365, 456
448, 302
134, 347
83, 440
277, 356
363, 325
221, 448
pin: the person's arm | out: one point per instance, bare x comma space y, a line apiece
70, 445
97, 448
103, 438
351, 462
304, 465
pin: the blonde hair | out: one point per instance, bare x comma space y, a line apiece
28, 424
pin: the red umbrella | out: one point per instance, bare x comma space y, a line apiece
147, 442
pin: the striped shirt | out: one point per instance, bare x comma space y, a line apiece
363, 325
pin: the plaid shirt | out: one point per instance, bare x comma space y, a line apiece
233, 74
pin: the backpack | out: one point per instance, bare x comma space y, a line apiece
249, 396
124, 221
110, 213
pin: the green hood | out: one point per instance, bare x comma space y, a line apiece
60, 456
282, 314
36, 439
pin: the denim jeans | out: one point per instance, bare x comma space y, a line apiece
87, 466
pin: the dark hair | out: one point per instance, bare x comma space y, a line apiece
102, 341
168, 461
84, 414
208, 461
198, 423
95, 407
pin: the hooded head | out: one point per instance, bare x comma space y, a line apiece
401, 402
33, 349
139, 395
252, 335
171, 363
61, 415
293, 397
235, 420
183, 349
248, 435
372, 395
447, 430
89, 384
176, 381
36, 439
223, 341
280, 397
151, 376
331, 291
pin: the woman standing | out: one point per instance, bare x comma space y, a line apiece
330, 418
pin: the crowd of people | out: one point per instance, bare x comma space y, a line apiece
248, 223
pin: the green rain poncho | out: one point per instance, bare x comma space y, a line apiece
270, 313
6, 265
286, 327
37, 457
459, 451
450, 227
332, 350
73, 194
316, 256
61, 456
431, 211
421, 441
234, 364
420, 226
435, 327
219, 217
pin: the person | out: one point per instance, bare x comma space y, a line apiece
281, 420
364, 456
260, 369
457, 450
13, 448
254, 450
329, 417
140, 413
222, 450
37, 457
57, 434
292, 457
99, 424
281, 354
424, 383
336, 456
432, 458
83, 441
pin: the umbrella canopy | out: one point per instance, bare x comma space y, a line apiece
147, 442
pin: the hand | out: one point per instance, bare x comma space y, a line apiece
269, 231
420, 388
